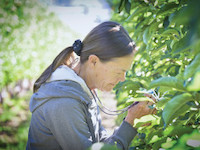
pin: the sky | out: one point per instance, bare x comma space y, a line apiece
81, 15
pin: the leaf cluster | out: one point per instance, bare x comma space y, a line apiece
30, 37
167, 35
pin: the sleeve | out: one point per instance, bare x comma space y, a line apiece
67, 122
103, 134
122, 136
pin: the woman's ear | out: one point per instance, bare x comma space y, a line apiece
93, 60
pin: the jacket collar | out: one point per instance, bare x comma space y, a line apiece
63, 72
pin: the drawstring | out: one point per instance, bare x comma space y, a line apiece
110, 112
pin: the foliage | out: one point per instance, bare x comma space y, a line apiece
102, 146
14, 123
167, 34
29, 32
30, 37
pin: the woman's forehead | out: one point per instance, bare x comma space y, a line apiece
123, 63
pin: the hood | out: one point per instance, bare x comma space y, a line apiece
64, 82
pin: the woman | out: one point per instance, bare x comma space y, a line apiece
65, 114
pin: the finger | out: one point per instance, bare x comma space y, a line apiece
154, 111
144, 103
150, 103
151, 107
146, 124
150, 96
133, 104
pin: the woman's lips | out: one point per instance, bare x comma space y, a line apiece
112, 84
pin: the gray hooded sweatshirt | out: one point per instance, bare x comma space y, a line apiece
66, 116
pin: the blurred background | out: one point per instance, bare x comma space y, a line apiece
32, 33
166, 32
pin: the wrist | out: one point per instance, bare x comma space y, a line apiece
129, 120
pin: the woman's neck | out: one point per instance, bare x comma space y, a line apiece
83, 71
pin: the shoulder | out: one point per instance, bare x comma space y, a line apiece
65, 89
61, 98
63, 104
63, 109
63, 85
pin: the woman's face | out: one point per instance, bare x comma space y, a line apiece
108, 74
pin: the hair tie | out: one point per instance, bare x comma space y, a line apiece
77, 46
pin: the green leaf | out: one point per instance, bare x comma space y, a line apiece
193, 139
161, 46
195, 47
153, 132
162, 102
121, 5
195, 84
172, 82
127, 6
128, 85
176, 103
177, 130
154, 139
173, 69
146, 119
158, 143
166, 22
138, 11
139, 99
181, 16
192, 67
168, 144
180, 112
169, 32
146, 36
103, 146
154, 26
181, 45
166, 9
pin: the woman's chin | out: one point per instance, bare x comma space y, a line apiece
108, 88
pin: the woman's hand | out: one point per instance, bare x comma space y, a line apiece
139, 110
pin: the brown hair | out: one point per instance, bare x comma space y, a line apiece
107, 40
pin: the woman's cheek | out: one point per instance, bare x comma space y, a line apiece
118, 78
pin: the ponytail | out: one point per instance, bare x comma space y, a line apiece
62, 58
107, 40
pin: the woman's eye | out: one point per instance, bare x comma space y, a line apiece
119, 73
